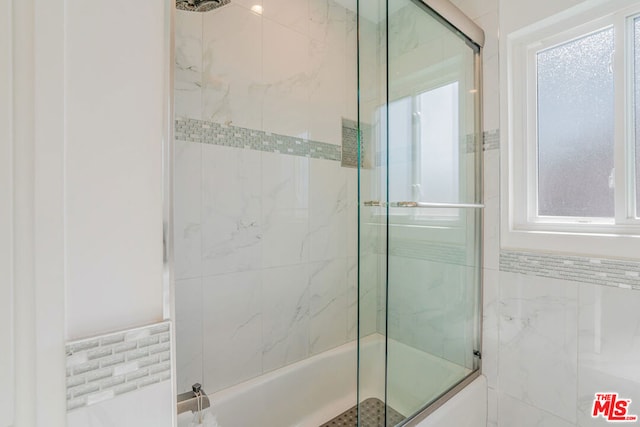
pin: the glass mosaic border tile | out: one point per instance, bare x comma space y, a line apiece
596, 271
104, 367
206, 132
491, 140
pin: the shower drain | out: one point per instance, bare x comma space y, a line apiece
371, 415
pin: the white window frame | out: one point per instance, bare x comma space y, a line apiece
524, 229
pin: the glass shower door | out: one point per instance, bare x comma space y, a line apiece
420, 208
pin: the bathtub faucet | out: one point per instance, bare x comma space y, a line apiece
194, 401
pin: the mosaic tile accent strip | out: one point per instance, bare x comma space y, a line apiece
350, 144
234, 136
372, 414
469, 143
596, 271
491, 140
103, 367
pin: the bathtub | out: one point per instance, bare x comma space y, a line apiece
313, 391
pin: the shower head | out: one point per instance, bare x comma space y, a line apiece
200, 5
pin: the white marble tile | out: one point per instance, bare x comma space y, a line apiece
409, 29
490, 326
250, 4
285, 308
188, 300
490, 68
368, 292
491, 235
491, 93
413, 319
351, 66
188, 65
327, 50
232, 61
319, 17
232, 329
328, 304
610, 330
286, 78
491, 175
285, 210
461, 337
231, 209
328, 210
326, 89
352, 298
513, 412
187, 210
593, 380
492, 407
372, 74
538, 342
291, 14
429, 307
352, 212
609, 348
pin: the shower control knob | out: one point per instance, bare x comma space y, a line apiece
196, 388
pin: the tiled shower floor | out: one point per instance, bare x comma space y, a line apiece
371, 415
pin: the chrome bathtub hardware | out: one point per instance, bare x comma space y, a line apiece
477, 354
194, 401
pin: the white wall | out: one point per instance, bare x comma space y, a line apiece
84, 133
152, 406
116, 60
37, 267
114, 97
6, 208
517, 14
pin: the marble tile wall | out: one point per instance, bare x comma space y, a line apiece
267, 271
560, 342
265, 239
290, 71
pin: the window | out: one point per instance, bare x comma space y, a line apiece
424, 145
574, 131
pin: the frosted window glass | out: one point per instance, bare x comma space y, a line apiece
636, 43
576, 127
